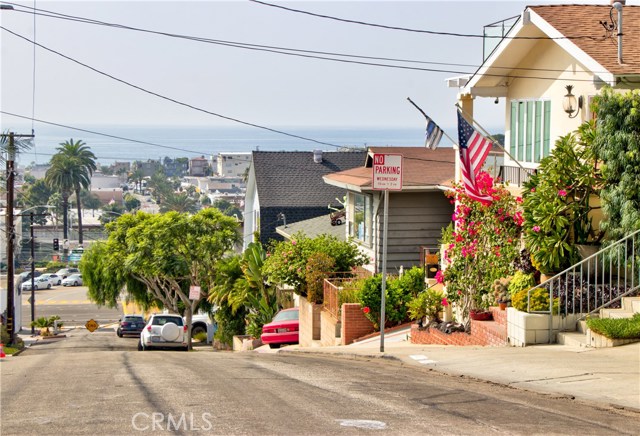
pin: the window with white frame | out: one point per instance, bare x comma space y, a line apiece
360, 212
530, 130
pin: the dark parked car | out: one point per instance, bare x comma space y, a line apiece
130, 325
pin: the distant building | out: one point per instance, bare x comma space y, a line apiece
199, 166
233, 164
119, 167
175, 167
148, 168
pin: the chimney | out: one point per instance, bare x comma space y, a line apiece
618, 1
317, 156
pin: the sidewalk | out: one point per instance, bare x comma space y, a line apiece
608, 376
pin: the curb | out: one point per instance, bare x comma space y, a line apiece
506, 384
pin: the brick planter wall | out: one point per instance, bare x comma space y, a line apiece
354, 323
492, 333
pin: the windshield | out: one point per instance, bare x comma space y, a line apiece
286, 315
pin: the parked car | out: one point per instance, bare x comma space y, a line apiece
283, 329
203, 323
54, 279
164, 331
24, 276
73, 280
130, 325
39, 283
66, 272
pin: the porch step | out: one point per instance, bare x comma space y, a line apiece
581, 327
489, 332
572, 339
630, 306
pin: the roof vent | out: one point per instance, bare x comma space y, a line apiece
317, 156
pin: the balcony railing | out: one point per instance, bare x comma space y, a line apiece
515, 175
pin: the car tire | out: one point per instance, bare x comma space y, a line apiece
338, 222
140, 347
274, 345
119, 333
48, 285
75, 283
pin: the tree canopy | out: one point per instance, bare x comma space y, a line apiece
617, 143
157, 258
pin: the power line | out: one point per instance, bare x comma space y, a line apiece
281, 50
429, 32
178, 102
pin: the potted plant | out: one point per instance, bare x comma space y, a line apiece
43, 324
501, 292
480, 311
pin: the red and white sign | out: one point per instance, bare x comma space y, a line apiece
387, 172
194, 292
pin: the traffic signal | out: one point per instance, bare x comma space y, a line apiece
56, 244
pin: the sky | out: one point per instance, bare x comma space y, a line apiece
258, 87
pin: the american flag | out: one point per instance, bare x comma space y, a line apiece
474, 149
433, 134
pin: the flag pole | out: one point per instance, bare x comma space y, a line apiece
455, 143
466, 114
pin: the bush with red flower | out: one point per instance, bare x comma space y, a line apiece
480, 244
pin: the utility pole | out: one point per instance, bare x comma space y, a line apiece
10, 233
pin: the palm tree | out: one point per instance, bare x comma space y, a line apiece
71, 170
178, 202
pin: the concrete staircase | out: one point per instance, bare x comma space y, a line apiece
583, 337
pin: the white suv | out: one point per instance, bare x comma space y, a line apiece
164, 331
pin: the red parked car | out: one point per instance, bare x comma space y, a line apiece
283, 329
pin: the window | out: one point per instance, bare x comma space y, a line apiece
360, 212
530, 130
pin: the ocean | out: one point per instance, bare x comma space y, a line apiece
192, 141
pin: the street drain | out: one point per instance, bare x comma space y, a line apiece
363, 423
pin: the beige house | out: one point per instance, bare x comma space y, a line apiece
546, 50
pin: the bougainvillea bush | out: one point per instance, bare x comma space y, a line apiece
480, 244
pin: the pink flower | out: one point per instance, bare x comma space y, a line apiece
562, 193
518, 199
536, 229
439, 276
445, 302
366, 309
293, 242
533, 189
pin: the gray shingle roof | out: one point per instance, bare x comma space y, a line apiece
293, 179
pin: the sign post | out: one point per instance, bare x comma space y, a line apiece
387, 175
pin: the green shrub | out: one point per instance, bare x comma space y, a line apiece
400, 291
200, 336
539, 301
521, 281
55, 266
230, 324
624, 328
348, 295
317, 267
427, 303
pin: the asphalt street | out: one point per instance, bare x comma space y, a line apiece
70, 303
96, 383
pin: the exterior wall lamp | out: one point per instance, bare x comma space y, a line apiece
570, 104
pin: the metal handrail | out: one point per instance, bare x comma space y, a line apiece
592, 284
